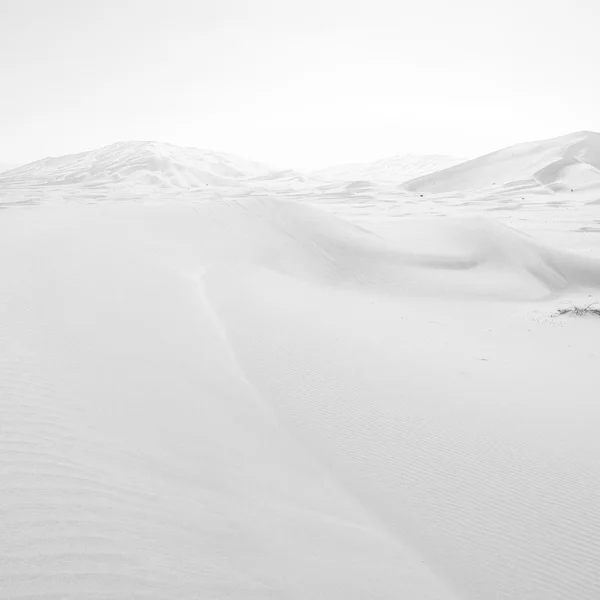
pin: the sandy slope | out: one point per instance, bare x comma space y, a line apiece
560, 163
257, 399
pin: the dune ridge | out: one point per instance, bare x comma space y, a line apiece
558, 164
138, 163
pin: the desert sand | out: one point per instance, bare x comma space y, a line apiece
218, 380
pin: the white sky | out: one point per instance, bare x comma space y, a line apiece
296, 83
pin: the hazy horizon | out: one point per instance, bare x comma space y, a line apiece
296, 85
8, 165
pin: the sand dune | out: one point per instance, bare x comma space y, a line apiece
254, 398
148, 164
568, 163
395, 168
559, 163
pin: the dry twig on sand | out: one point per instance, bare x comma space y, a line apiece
579, 311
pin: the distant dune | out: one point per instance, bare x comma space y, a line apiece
152, 164
558, 163
395, 168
